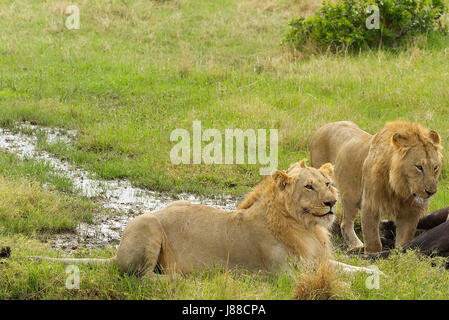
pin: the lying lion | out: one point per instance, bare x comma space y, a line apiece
285, 219
393, 173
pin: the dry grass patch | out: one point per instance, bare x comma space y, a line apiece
320, 284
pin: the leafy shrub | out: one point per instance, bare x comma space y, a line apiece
343, 25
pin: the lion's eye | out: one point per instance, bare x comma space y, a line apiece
420, 168
436, 168
309, 186
328, 184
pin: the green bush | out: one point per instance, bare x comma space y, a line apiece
342, 26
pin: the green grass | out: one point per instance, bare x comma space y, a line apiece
39, 171
36, 200
135, 71
409, 276
25, 207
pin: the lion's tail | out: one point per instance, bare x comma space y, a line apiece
85, 261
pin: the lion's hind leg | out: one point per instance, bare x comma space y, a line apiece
141, 245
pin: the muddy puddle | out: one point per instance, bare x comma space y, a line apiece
120, 197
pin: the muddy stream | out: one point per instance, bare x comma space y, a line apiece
120, 197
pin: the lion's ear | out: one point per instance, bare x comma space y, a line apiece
399, 141
434, 136
327, 169
303, 163
281, 178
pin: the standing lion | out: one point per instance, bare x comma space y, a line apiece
394, 172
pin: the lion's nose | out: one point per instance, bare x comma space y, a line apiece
430, 193
330, 203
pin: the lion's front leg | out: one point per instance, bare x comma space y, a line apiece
353, 269
347, 224
370, 229
406, 224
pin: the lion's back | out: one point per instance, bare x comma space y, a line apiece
330, 139
346, 146
183, 218
203, 235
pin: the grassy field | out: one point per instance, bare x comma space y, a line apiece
135, 71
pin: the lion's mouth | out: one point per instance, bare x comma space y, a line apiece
330, 212
420, 197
